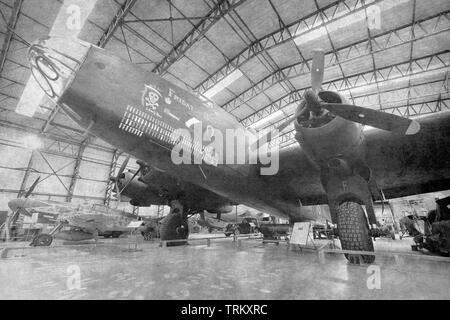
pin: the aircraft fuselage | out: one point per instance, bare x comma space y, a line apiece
138, 112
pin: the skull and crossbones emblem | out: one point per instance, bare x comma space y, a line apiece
150, 97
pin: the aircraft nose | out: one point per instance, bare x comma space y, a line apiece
54, 62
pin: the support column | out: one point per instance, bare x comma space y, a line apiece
112, 169
9, 32
160, 211
76, 170
27, 174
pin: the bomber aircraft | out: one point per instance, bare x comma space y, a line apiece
335, 162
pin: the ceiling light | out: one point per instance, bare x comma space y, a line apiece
222, 84
32, 142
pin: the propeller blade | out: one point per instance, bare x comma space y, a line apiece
124, 165
268, 137
117, 191
374, 118
129, 181
317, 68
31, 189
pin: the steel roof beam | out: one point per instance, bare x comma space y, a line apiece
386, 74
387, 40
285, 34
116, 21
391, 40
221, 9
53, 136
364, 97
10, 32
396, 71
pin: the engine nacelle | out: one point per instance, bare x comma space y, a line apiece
133, 188
329, 140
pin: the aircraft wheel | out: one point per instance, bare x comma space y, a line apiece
354, 232
42, 240
174, 227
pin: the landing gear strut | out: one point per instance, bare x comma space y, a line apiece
174, 226
346, 193
44, 239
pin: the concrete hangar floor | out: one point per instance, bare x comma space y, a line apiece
221, 268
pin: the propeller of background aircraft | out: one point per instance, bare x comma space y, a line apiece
313, 104
121, 175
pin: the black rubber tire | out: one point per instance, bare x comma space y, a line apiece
42, 240
354, 232
174, 227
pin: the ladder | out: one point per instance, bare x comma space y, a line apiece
3, 231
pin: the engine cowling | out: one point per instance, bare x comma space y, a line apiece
135, 189
329, 140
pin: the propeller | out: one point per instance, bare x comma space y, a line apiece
317, 68
312, 103
365, 116
129, 181
119, 176
374, 118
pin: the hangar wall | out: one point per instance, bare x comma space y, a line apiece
66, 175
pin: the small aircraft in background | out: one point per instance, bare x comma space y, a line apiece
73, 222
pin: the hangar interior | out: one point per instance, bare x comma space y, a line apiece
250, 57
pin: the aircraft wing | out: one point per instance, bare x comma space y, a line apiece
401, 164
297, 178
411, 164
